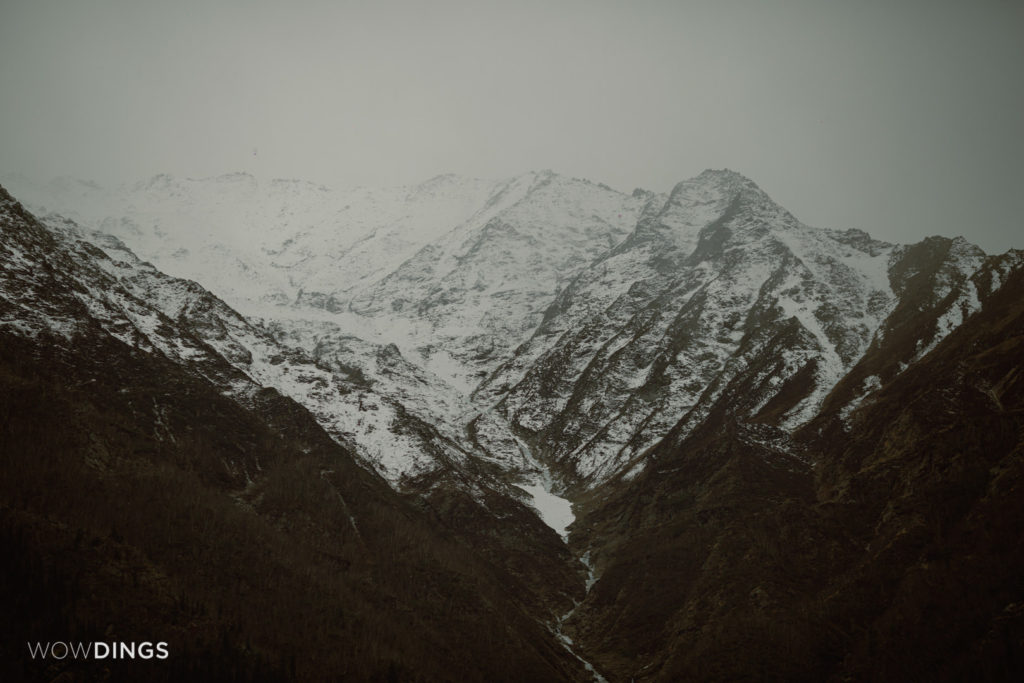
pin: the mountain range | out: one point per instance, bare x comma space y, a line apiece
636, 436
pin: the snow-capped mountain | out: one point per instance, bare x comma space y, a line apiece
139, 419
477, 292
594, 323
394, 416
712, 384
719, 300
257, 244
456, 270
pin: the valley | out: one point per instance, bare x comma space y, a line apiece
640, 436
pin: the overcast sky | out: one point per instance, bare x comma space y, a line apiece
899, 117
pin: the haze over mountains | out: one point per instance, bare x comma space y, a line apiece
696, 372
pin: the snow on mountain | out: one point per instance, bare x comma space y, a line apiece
457, 269
656, 375
255, 243
381, 369
940, 282
60, 278
481, 289
541, 312
719, 300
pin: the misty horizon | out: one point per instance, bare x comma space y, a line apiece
60, 184
902, 121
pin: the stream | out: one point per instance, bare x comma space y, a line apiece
557, 513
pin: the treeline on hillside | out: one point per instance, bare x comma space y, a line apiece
136, 503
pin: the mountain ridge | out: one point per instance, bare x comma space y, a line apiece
492, 294
99, 306
699, 354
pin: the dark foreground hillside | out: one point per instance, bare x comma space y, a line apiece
127, 513
889, 548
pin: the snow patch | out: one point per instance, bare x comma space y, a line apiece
554, 510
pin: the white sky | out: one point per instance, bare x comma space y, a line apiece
900, 117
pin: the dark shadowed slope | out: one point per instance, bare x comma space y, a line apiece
883, 544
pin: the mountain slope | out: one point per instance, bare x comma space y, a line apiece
788, 448
881, 544
712, 280
718, 300
256, 244
504, 245
479, 291
152, 483
593, 343
395, 418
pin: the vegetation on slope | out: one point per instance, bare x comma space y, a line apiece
137, 503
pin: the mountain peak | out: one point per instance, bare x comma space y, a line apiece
726, 179
716, 190
441, 179
724, 173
